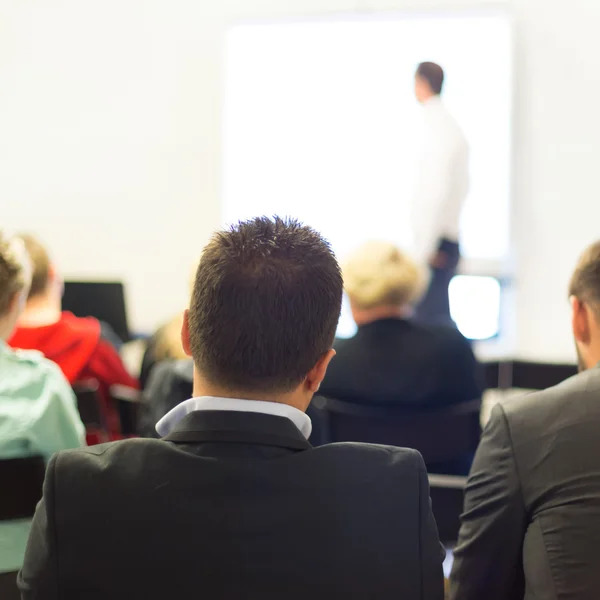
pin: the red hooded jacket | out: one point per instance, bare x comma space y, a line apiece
76, 345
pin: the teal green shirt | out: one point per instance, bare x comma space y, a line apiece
38, 416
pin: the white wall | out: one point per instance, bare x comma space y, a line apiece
110, 140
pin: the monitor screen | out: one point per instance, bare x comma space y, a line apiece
100, 299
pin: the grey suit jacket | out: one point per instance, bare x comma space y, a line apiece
531, 526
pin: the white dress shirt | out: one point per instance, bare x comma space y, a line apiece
442, 180
171, 419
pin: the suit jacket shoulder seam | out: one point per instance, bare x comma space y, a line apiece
513, 457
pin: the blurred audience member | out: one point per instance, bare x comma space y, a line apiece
245, 507
170, 383
38, 412
531, 526
75, 344
164, 345
392, 360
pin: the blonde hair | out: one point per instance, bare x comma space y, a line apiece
380, 274
168, 337
168, 340
15, 270
40, 262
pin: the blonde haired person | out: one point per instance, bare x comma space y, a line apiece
38, 412
392, 360
379, 276
165, 343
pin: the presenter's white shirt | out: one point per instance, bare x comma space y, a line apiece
442, 181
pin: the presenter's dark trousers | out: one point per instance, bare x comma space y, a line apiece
434, 308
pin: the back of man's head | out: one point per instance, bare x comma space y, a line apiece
585, 282
265, 306
584, 291
41, 265
433, 75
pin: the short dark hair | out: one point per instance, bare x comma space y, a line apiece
433, 74
265, 305
40, 262
585, 282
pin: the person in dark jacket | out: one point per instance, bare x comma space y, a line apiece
531, 522
393, 360
233, 501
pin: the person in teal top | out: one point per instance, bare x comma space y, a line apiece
38, 410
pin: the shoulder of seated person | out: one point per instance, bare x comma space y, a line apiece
34, 358
108, 450
540, 409
373, 453
445, 332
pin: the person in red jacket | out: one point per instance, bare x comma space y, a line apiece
75, 344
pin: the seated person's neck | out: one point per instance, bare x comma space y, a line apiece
202, 387
40, 311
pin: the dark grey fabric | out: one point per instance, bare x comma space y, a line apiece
434, 308
234, 505
8, 586
531, 526
395, 362
170, 383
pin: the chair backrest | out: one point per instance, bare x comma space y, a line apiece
439, 434
508, 374
89, 405
540, 376
447, 498
128, 403
21, 480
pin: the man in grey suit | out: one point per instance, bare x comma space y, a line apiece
233, 502
531, 526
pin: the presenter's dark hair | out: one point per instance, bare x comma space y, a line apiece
585, 282
265, 305
433, 74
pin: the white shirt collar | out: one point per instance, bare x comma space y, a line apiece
172, 418
434, 101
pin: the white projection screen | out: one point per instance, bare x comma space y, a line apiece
321, 123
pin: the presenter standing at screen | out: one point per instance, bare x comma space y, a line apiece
441, 189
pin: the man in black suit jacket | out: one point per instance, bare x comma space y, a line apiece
531, 526
233, 502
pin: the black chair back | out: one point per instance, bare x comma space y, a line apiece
441, 435
540, 376
447, 498
89, 405
508, 374
22, 480
128, 403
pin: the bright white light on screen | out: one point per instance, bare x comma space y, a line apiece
475, 306
321, 123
